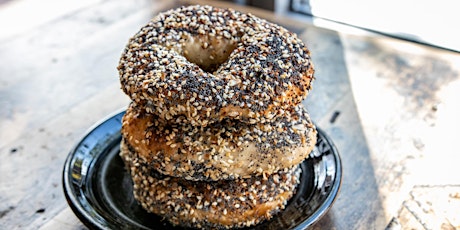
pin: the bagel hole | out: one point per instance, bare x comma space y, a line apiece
207, 53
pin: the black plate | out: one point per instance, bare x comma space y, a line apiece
99, 190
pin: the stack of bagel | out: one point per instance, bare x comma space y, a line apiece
216, 130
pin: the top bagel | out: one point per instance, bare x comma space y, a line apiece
200, 64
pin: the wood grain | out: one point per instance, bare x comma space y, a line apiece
390, 106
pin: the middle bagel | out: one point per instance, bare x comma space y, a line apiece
224, 150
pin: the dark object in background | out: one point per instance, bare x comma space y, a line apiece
263, 4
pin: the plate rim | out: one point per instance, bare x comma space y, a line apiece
71, 199
332, 196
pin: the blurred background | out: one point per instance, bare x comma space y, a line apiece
423, 21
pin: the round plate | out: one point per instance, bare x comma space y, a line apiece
99, 189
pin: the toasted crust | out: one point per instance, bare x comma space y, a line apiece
217, 204
216, 129
200, 65
224, 150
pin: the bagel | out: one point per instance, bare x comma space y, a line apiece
200, 64
210, 205
224, 150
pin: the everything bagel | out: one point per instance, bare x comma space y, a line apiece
200, 64
223, 150
210, 205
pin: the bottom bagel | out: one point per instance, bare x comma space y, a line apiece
217, 204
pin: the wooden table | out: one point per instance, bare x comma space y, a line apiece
390, 106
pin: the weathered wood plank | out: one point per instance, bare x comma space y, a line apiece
57, 80
390, 106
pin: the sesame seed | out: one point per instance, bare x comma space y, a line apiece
166, 68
